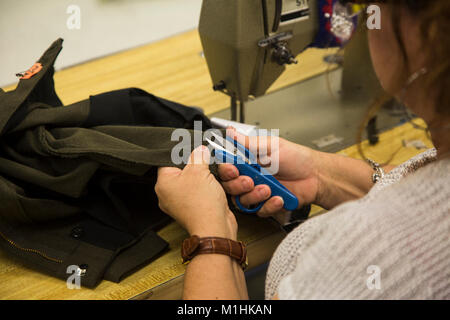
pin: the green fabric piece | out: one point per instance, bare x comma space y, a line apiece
48, 162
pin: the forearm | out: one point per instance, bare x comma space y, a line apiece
341, 179
214, 277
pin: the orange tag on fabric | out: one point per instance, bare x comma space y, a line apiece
32, 71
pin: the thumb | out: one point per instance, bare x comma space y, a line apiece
199, 157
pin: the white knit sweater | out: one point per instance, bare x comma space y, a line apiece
394, 243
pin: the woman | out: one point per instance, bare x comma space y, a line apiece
388, 239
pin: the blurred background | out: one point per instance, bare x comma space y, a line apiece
90, 28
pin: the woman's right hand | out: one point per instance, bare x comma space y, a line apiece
297, 171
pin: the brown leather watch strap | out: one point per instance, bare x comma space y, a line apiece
195, 245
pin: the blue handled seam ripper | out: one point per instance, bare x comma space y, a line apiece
230, 151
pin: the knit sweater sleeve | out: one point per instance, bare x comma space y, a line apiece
393, 243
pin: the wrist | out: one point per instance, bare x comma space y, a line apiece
340, 179
213, 232
320, 168
195, 245
214, 228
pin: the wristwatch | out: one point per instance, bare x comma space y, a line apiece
195, 245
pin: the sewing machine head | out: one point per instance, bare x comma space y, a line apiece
248, 43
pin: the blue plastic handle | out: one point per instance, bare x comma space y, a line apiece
259, 176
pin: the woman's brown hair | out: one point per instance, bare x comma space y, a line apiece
434, 19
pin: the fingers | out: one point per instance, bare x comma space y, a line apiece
227, 172
272, 206
259, 194
259, 145
165, 177
199, 159
200, 156
237, 186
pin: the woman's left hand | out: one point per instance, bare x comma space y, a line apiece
195, 199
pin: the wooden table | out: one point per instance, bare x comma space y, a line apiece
174, 69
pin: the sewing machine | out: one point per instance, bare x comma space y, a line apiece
249, 44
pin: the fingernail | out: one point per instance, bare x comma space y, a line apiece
246, 184
279, 202
233, 172
264, 192
231, 132
201, 154
200, 149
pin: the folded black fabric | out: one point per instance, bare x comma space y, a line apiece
77, 181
